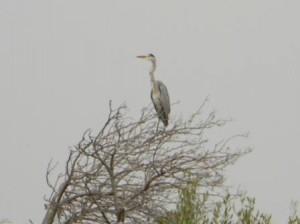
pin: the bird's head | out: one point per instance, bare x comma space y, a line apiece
149, 57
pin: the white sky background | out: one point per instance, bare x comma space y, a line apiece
61, 61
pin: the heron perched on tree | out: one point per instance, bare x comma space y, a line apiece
159, 92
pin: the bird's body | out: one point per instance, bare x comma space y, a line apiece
161, 102
159, 93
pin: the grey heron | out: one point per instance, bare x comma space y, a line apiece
159, 93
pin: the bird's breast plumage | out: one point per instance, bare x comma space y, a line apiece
155, 95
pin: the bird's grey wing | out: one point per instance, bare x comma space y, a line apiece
164, 97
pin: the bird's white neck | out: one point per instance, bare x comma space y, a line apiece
153, 67
154, 83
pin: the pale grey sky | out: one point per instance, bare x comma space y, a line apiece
61, 61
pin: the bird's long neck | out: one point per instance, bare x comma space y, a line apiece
154, 83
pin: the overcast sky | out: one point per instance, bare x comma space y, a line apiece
62, 60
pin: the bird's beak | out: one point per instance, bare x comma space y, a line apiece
142, 56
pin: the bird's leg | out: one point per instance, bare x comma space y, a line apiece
157, 126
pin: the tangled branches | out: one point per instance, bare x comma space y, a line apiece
130, 171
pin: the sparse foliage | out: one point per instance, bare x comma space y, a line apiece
202, 209
294, 218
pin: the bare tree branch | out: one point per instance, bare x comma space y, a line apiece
130, 171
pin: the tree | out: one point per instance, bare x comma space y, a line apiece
193, 208
5, 221
131, 171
